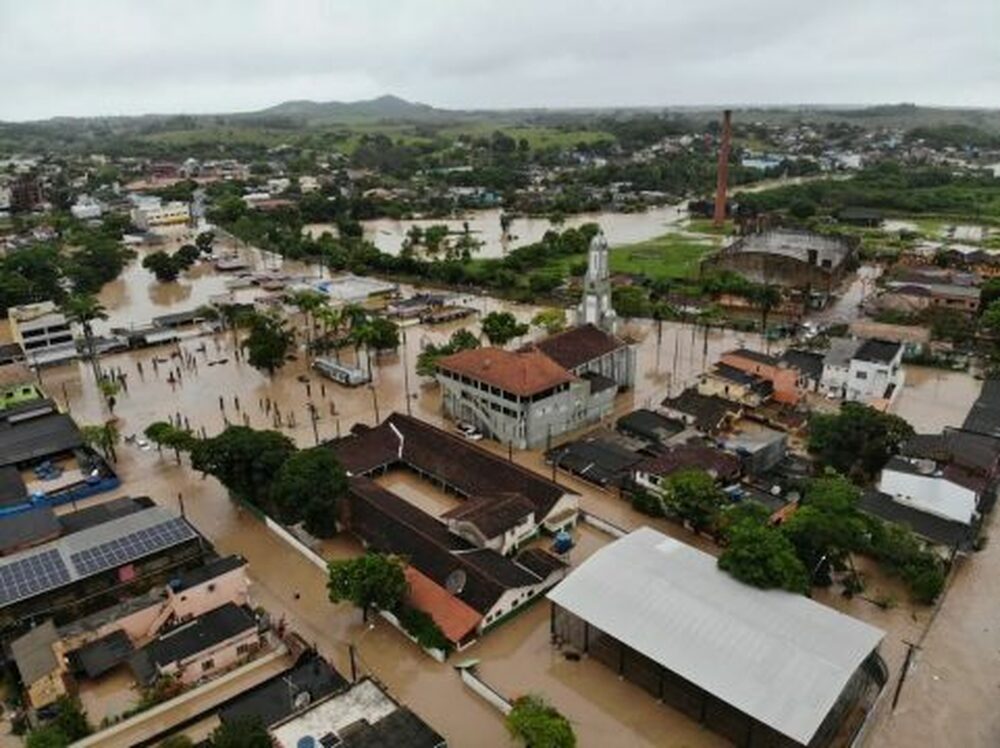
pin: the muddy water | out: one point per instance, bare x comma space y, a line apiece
934, 398
620, 228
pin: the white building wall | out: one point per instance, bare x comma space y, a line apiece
932, 494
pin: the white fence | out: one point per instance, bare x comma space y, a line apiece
486, 691
603, 525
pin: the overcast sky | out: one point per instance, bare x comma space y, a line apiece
98, 57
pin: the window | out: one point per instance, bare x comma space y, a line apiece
861, 375
207, 664
242, 649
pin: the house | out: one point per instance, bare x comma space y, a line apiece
43, 332
151, 213
596, 458
652, 472
809, 366
946, 534
523, 398
913, 338
984, 415
200, 648
362, 715
783, 378
759, 447
731, 383
707, 413
650, 426
90, 568
587, 349
499, 522
864, 371
453, 463
18, 385
35, 654
311, 678
919, 483
912, 297
759, 667
479, 577
11, 353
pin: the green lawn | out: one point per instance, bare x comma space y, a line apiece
667, 256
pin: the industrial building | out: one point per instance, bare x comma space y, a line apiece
786, 258
764, 668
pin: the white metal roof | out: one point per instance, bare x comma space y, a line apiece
781, 658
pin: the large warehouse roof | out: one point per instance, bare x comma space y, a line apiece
778, 657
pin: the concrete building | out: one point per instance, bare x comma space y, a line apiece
43, 332
735, 385
911, 297
595, 307
865, 371
360, 716
786, 258
152, 213
37, 656
589, 349
523, 398
86, 208
763, 668
18, 385
786, 380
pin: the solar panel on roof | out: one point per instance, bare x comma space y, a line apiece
130, 547
30, 576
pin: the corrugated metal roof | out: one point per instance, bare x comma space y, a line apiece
781, 658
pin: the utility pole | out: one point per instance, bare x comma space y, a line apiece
378, 420
354, 664
406, 377
314, 418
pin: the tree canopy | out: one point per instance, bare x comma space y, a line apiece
538, 725
308, 488
244, 460
373, 581
858, 440
243, 732
693, 496
762, 557
268, 343
502, 327
460, 340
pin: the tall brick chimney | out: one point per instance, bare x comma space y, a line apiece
719, 218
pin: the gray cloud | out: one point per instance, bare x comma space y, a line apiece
120, 57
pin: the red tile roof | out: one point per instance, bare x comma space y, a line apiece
455, 619
525, 372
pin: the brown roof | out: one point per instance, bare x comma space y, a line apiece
14, 374
719, 464
579, 345
455, 619
540, 562
524, 372
492, 515
466, 468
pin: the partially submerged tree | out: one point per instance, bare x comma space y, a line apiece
242, 732
268, 343
84, 310
244, 460
308, 488
502, 327
536, 724
763, 557
858, 440
374, 581
693, 496
460, 340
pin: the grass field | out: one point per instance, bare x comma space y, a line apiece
667, 256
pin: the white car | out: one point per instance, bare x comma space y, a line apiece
473, 436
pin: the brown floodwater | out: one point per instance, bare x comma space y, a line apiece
957, 667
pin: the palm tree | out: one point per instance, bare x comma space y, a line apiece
309, 302
332, 319
83, 309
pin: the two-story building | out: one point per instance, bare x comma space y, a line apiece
43, 332
866, 371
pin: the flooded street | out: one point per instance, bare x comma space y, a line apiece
935, 398
516, 658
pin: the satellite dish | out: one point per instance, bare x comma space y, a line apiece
455, 582
301, 700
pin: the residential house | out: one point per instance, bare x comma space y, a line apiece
362, 715
911, 297
784, 379
652, 472
201, 647
37, 657
867, 371
43, 331
18, 385
809, 366
730, 383
707, 413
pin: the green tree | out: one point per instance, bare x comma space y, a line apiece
763, 557
204, 241
309, 303
244, 460
827, 527
243, 732
693, 496
538, 725
990, 319
84, 310
177, 741
268, 343
374, 581
502, 327
630, 301
460, 340
550, 320
103, 437
187, 256
164, 434
858, 440
308, 487
162, 265
47, 736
